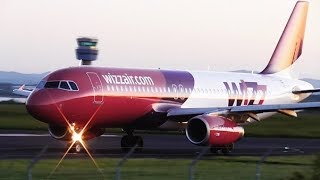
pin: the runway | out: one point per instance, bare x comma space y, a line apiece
155, 146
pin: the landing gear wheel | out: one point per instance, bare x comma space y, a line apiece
227, 149
127, 142
77, 147
139, 142
215, 150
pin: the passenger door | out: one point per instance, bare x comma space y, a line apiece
97, 87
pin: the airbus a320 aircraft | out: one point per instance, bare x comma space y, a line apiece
78, 103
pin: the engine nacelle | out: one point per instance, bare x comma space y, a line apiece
64, 134
213, 130
60, 132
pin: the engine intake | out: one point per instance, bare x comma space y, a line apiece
213, 130
60, 132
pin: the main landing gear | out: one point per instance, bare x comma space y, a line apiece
225, 150
129, 141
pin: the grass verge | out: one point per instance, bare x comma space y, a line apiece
16, 117
209, 168
305, 126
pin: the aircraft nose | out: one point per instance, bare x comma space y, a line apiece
42, 107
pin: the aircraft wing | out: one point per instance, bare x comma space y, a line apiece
287, 109
306, 91
22, 92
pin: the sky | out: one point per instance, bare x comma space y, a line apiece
40, 35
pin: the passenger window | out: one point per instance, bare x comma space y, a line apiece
52, 84
64, 85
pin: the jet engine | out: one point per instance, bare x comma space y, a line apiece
64, 134
213, 130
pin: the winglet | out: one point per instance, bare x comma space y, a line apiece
289, 47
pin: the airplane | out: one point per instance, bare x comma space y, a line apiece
22, 91
78, 103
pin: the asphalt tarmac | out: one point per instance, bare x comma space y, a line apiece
155, 146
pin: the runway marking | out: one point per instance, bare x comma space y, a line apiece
45, 135
111, 135
23, 135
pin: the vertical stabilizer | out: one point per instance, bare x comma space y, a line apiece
289, 47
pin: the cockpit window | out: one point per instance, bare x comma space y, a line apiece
41, 84
73, 86
52, 84
64, 85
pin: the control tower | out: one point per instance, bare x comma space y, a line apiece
87, 50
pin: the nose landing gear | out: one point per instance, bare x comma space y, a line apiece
76, 147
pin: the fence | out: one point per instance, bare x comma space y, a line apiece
272, 163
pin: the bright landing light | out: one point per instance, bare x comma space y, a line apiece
76, 137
